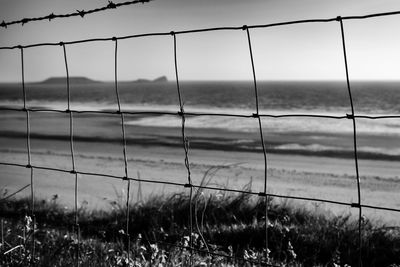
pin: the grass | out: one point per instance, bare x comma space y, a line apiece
230, 225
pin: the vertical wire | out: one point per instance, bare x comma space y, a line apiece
176, 75
23, 76
127, 221
352, 117
119, 108
185, 143
262, 141
28, 144
127, 236
71, 135
28, 139
33, 218
2, 232
71, 129
29, 165
116, 72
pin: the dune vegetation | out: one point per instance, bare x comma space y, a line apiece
227, 230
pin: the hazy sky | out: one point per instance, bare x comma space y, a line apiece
306, 51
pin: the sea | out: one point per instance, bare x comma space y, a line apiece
219, 114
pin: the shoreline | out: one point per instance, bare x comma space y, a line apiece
215, 143
157, 130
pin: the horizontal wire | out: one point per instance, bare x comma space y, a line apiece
207, 29
185, 185
195, 114
80, 13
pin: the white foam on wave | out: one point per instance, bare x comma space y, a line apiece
384, 127
59, 105
381, 127
321, 148
311, 147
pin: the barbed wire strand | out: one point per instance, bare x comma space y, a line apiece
354, 142
80, 13
73, 171
256, 115
185, 143
124, 149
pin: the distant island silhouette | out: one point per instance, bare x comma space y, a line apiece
157, 80
85, 80
77, 79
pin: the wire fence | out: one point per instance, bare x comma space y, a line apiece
189, 185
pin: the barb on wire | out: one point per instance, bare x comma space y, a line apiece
80, 13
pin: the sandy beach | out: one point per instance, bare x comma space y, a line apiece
300, 176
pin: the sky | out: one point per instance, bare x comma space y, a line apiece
295, 52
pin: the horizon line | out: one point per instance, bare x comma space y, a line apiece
138, 80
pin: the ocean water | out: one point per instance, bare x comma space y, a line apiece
377, 139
